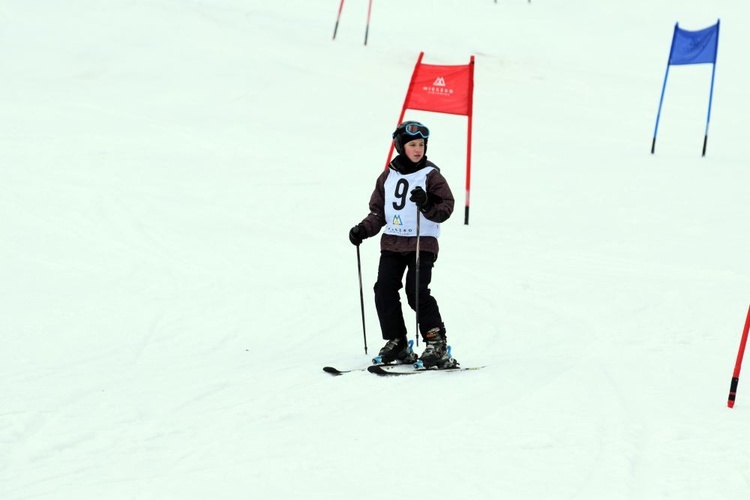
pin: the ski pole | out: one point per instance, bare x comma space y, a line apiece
416, 282
361, 297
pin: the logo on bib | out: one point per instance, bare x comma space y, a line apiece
397, 220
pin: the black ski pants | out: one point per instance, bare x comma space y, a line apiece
388, 300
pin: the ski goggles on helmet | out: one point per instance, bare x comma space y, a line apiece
415, 128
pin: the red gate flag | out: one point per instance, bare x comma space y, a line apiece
443, 89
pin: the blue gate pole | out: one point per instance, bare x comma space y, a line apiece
711, 93
663, 88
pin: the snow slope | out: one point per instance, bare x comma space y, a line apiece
177, 182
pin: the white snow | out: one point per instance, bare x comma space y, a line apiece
177, 180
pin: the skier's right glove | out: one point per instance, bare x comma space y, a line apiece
356, 234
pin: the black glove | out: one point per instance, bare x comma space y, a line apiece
419, 197
356, 234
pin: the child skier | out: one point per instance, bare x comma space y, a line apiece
411, 199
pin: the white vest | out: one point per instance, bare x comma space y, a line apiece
400, 213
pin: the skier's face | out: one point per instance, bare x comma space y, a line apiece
414, 149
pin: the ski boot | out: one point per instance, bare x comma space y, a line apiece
437, 354
396, 351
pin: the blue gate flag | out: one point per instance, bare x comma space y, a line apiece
694, 47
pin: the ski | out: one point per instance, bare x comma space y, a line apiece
412, 370
336, 372
377, 361
401, 368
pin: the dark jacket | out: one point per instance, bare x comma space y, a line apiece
438, 192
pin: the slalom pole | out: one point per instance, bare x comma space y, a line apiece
711, 93
469, 128
336, 27
367, 28
467, 202
403, 108
361, 298
738, 363
708, 118
663, 89
658, 113
416, 281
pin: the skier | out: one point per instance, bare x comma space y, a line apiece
410, 195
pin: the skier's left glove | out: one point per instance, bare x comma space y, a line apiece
356, 234
419, 197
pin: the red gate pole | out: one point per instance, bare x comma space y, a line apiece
738, 363
468, 142
336, 27
403, 108
367, 28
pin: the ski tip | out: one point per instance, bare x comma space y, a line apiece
381, 370
332, 370
376, 369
